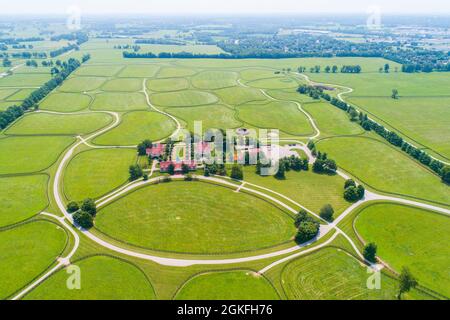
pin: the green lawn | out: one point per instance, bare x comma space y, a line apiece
426, 120
20, 95
385, 168
119, 101
5, 93
82, 84
22, 197
231, 285
306, 188
185, 98
211, 80
213, 116
195, 217
93, 173
30, 154
123, 85
65, 102
331, 120
56, 124
139, 71
332, 274
26, 252
102, 278
410, 237
136, 127
284, 116
24, 80
168, 85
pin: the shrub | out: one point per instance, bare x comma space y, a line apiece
236, 173
327, 212
370, 252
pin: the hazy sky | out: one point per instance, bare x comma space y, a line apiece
181, 7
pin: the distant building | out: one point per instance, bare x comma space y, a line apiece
156, 151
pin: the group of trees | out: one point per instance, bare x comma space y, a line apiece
323, 165
293, 163
237, 173
135, 172
83, 215
63, 50
78, 37
29, 55
327, 213
351, 69
215, 169
308, 228
352, 192
14, 112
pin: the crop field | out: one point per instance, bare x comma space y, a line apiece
93, 173
183, 98
82, 84
123, 85
104, 278
168, 85
410, 237
237, 285
208, 226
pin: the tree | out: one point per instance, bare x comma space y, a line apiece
327, 69
73, 207
83, 219
370, 252
236, 173
135, 172
143, 146
351, 194
407, 282
281, 173
387, 67
349, 183
300, 217
361, 192
307, 231
171, 169
394, 94
335, 69
184, 168
446, 175
89, 206
327, 212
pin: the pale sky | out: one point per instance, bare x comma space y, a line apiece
182, 7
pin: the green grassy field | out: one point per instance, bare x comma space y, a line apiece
102, 278
232, 285
185, 98
426, 120
20, 95
27, 251
274, 83
65, 102
94, 173
410, 237
168, 85
284, 116
332, 274
385, 168
307, 188
136, 127
82, 84
331, 120
123, 85
216, 219
22, 197
139, 71
112, 101
30, 154
56, 124
211, 80
171, 72
212, 116
240, 95
24, 80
